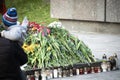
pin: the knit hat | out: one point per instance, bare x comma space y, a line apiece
10, 17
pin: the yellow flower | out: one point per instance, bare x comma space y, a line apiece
34, 28
25, 46
49, 48
31, 47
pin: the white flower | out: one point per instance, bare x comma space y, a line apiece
55, 24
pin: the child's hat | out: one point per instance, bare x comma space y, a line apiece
10, 17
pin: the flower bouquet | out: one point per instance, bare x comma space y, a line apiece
53, 47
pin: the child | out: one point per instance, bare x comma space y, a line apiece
13, 31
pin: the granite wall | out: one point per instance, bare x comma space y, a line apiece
96, 22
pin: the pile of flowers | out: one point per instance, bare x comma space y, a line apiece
53, 47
